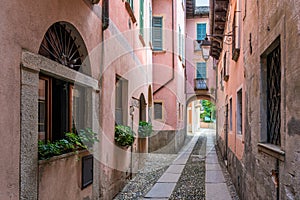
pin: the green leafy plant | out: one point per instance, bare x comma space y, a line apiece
145, 129
71, 143
124, 135
209, 110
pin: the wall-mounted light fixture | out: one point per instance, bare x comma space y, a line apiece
206, 44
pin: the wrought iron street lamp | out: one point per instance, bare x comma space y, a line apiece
205, 48
206, 44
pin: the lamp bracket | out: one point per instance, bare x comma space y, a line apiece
228, 38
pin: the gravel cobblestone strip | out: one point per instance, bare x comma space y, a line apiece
227, 177
191, 184
155, 165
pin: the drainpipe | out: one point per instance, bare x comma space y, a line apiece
105, 14
173, 56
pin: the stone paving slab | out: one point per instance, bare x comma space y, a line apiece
161, 190
214, 177
212, 160
169, 178
217, 191
175, 169
180, 161
213, 167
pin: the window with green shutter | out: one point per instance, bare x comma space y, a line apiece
142, 17
201, 70
201, 31
157, 33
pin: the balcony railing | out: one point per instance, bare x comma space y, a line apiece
201, 84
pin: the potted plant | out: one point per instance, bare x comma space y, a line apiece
72, 142
145, 129
124, 135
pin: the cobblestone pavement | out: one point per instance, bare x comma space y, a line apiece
191, 181
155, 165
191, 184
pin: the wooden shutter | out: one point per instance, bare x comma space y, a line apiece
157, 33
201, 70
201, 31
142, 17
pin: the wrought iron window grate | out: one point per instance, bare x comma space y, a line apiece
60, 46
273, 96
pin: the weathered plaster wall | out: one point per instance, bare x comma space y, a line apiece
263, 23
64, 177
124, 55
23, 25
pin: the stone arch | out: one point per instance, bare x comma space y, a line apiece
191, 99
63, 43
200, 97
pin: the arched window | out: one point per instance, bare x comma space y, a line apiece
61, 103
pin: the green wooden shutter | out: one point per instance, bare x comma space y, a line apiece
142, 17
157, 33
201, 70
201, 31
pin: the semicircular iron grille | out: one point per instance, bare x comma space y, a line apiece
60, 46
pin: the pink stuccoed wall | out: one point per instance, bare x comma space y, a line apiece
231, 87
23, 25
172, 94
196, 56
125, 56
62, 178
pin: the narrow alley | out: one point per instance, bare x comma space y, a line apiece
193, 173
150, 99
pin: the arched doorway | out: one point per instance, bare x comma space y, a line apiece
142, 108
200, 113
150, 103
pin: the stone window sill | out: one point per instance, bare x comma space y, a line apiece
271, 150
159, 51
63, 156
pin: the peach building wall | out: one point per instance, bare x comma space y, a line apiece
23, 25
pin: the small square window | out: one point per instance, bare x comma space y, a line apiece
87, 171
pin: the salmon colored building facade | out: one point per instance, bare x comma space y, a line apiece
71, 65
257, 51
